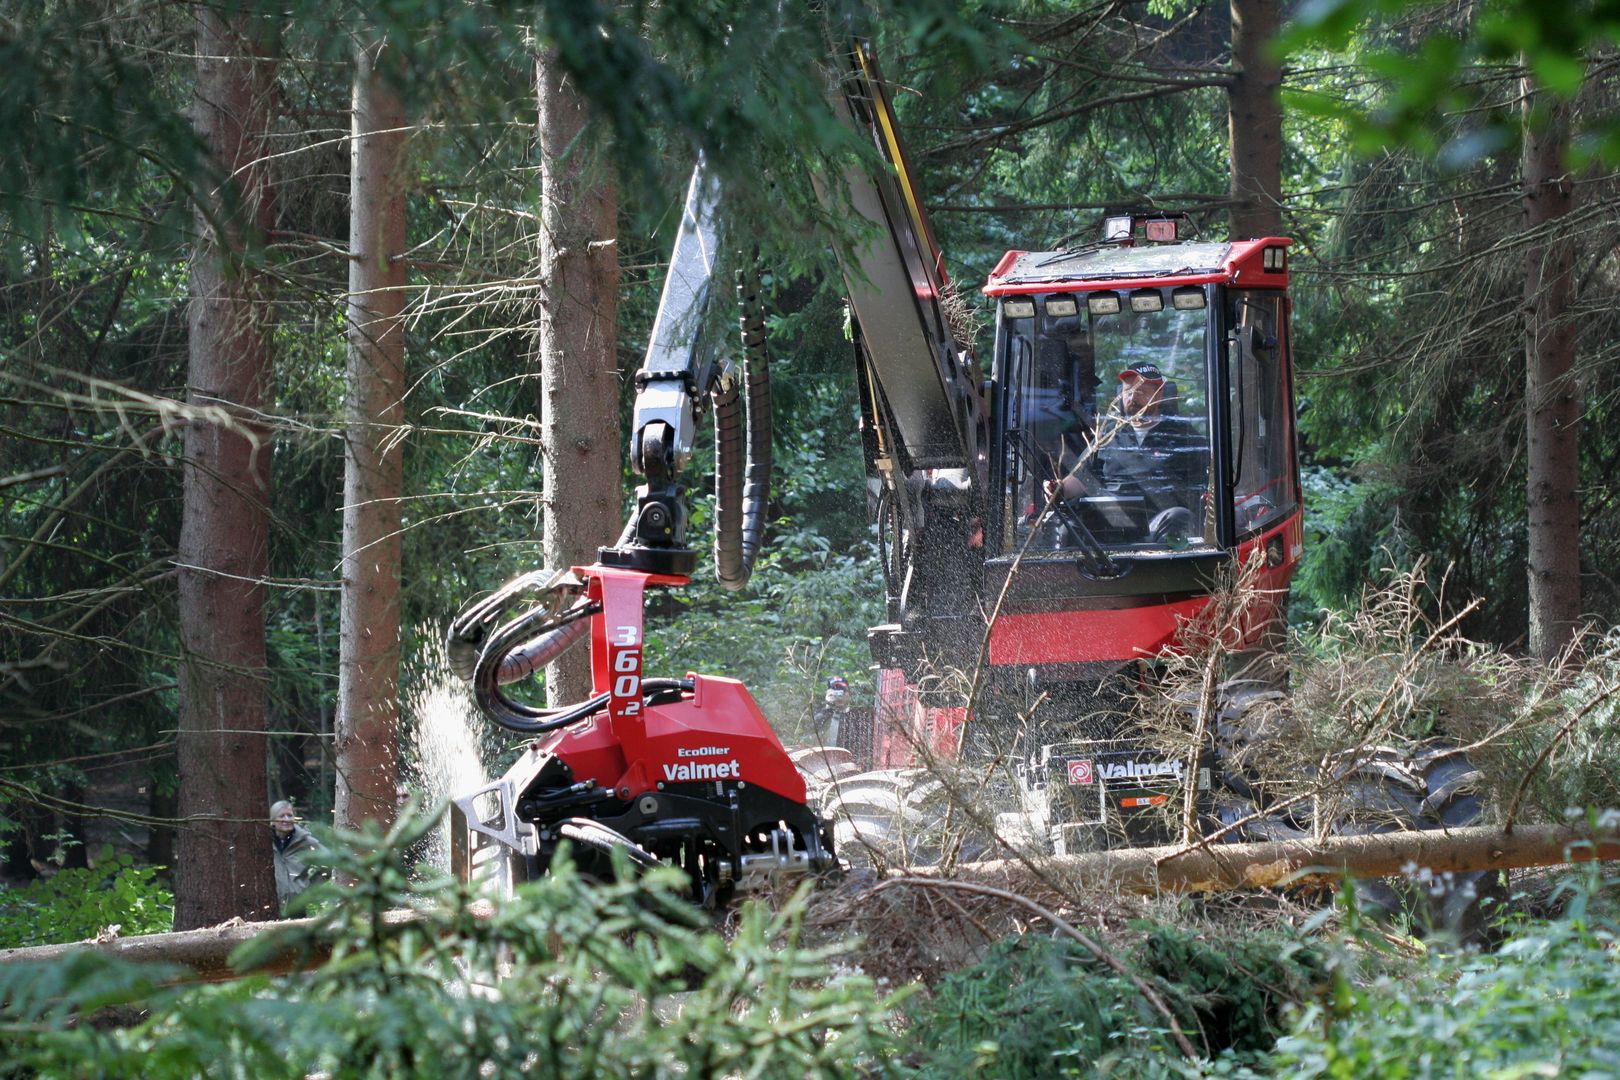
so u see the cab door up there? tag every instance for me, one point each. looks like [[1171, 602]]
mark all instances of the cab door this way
[[1260, 446]]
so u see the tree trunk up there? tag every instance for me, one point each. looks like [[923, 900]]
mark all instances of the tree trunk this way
[[581, 480], [1254, 120], [368, 666], [1225, 867], [1552, 395], [206, 952], [223, 859], [162, 807]]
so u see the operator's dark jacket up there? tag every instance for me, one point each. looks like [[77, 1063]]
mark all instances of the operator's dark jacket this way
[[294, 873], [1166, 461]]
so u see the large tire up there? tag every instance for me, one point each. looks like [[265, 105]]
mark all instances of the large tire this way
[[1390, 789], [899, 817], [1433, 788], [1246, 723]]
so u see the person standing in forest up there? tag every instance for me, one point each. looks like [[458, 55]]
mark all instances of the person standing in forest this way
[[292, 845], [829, 718]]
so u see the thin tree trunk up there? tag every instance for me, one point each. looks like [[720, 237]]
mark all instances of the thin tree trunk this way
[[1552, 395], [582, 486], [206, 953], [1297, 863], [161, 806], [223, 859], [1254, 119], [368, 665]]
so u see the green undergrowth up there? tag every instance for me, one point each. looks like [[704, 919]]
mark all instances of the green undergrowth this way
[[76, 903], [571, 978], [1546, 1003], [1042, 1006], [625, 978]]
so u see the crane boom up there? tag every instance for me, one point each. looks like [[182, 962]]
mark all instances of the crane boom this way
[[924, 377]]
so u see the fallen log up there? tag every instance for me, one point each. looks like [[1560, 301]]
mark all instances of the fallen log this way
[[1217, 868], [1226, 867], [206, 953]]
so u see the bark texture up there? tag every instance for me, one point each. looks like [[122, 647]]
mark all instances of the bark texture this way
[[1552, 395], [1224, 867], [206, 952], [222, 866], [1254, 119], [367, 750], [577, 343]]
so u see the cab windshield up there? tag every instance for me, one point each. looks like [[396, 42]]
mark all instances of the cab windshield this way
[[1108, 424]]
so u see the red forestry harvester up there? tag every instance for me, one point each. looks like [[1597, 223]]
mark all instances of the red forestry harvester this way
[[1134, 437]]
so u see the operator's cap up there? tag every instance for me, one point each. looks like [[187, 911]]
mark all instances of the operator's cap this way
[[838, 682], [1148, 373]]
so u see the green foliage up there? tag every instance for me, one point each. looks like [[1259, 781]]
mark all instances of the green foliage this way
[[1238, 987], [1546, 1004], [744, 81], [43, 999], [88, 110], [75, 904], [1576, 715], [1446, 58], [1045, 1007], [1408, 329], [1353, 532], [590, 978], [1028, 150]]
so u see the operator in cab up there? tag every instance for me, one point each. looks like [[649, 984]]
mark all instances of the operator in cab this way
[[1144, 449], [1142, 444]]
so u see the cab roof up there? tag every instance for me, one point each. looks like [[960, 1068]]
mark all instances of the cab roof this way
[[1089, 268]]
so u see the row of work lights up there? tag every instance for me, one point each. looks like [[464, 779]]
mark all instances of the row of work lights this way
[[1186, 298]]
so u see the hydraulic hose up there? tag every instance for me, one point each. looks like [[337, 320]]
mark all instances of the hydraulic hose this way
[[536, 653], [491, 657], [524, 644], [537, 637], [468, 632], [742, 436], [528, 720]]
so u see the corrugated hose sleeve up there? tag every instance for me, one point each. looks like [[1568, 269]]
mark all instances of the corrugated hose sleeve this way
[[757, 380], [730, 449], [535, 654]]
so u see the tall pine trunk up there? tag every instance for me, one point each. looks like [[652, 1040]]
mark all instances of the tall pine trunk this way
[[1254, 119], [368, 650], [222, 866], [582, 485], [1552, 396]]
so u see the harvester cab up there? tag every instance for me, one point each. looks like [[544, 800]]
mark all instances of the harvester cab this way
[[1144, 436]]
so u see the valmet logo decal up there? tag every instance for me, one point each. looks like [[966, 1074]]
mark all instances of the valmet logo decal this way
[[703, 770], [1142, 770], [1083, 771]]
